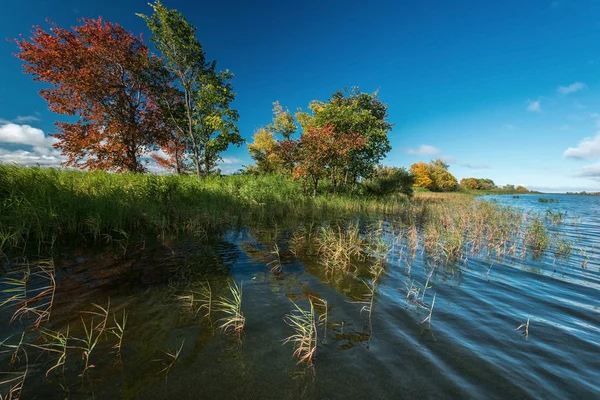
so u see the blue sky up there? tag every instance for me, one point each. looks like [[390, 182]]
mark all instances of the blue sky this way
[[506, 90]]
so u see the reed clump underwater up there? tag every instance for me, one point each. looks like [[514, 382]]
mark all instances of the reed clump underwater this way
[[346, 235]]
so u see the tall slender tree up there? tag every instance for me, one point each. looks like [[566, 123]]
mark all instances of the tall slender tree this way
[[203, 116], [283, 122], [104, 75]]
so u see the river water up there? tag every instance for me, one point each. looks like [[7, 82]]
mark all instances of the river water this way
[[469, 348]]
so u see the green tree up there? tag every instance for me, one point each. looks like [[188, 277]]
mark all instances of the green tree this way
[[486, 184], [352, 112], [283, 122], [469, 183], [201, 112], [262, 150]]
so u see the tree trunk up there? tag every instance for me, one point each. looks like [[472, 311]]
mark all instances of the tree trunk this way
[[188, 110], [206, 164], [197, 160], [132, 162], [316, 184]]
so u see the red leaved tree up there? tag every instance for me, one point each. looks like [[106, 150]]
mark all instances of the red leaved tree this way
[[104, 75], [174, 158], [322, 152], [286, 152]]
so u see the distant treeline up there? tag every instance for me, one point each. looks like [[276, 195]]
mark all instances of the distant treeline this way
[[488, 184], [584, 193], [435, 176]]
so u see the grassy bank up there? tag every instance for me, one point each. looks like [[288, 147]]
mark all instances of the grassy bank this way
[[39, 206]]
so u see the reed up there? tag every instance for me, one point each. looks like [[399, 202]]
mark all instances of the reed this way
[[15, 290], [93, 332], [379, 249], [275, 264], [305, 335], [56, 343], [15, 381], [367, 300], [339, 248], [556, 217], [526, 328], [322, 309], [119, 331], [205, 299], [172, 357], [40, 304], [428, 318], [234, 319], [29, 299], [412, 291], [537, 236]]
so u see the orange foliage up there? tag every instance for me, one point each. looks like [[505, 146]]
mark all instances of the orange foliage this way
[[321, 149], [176, 157], [433, 176], [421, 172]]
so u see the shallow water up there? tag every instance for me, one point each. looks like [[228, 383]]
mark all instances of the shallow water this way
[[471, 348]]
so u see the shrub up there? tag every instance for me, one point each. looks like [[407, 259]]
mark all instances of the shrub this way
[[388, 180]]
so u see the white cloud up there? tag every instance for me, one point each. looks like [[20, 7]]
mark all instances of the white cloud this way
[[475, 166], [25, 118], [230, 160], [572, 88], [424, 150], [510, 127], [564, 127], [41, 151], [590, 171], [228, 170], [23, 157], [24, 134], [588, 147], [534, 106]]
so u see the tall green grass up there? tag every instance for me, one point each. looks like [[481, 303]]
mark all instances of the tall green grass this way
[[39, 206]]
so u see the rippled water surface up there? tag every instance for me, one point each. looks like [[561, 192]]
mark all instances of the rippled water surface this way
[[469, 349]]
